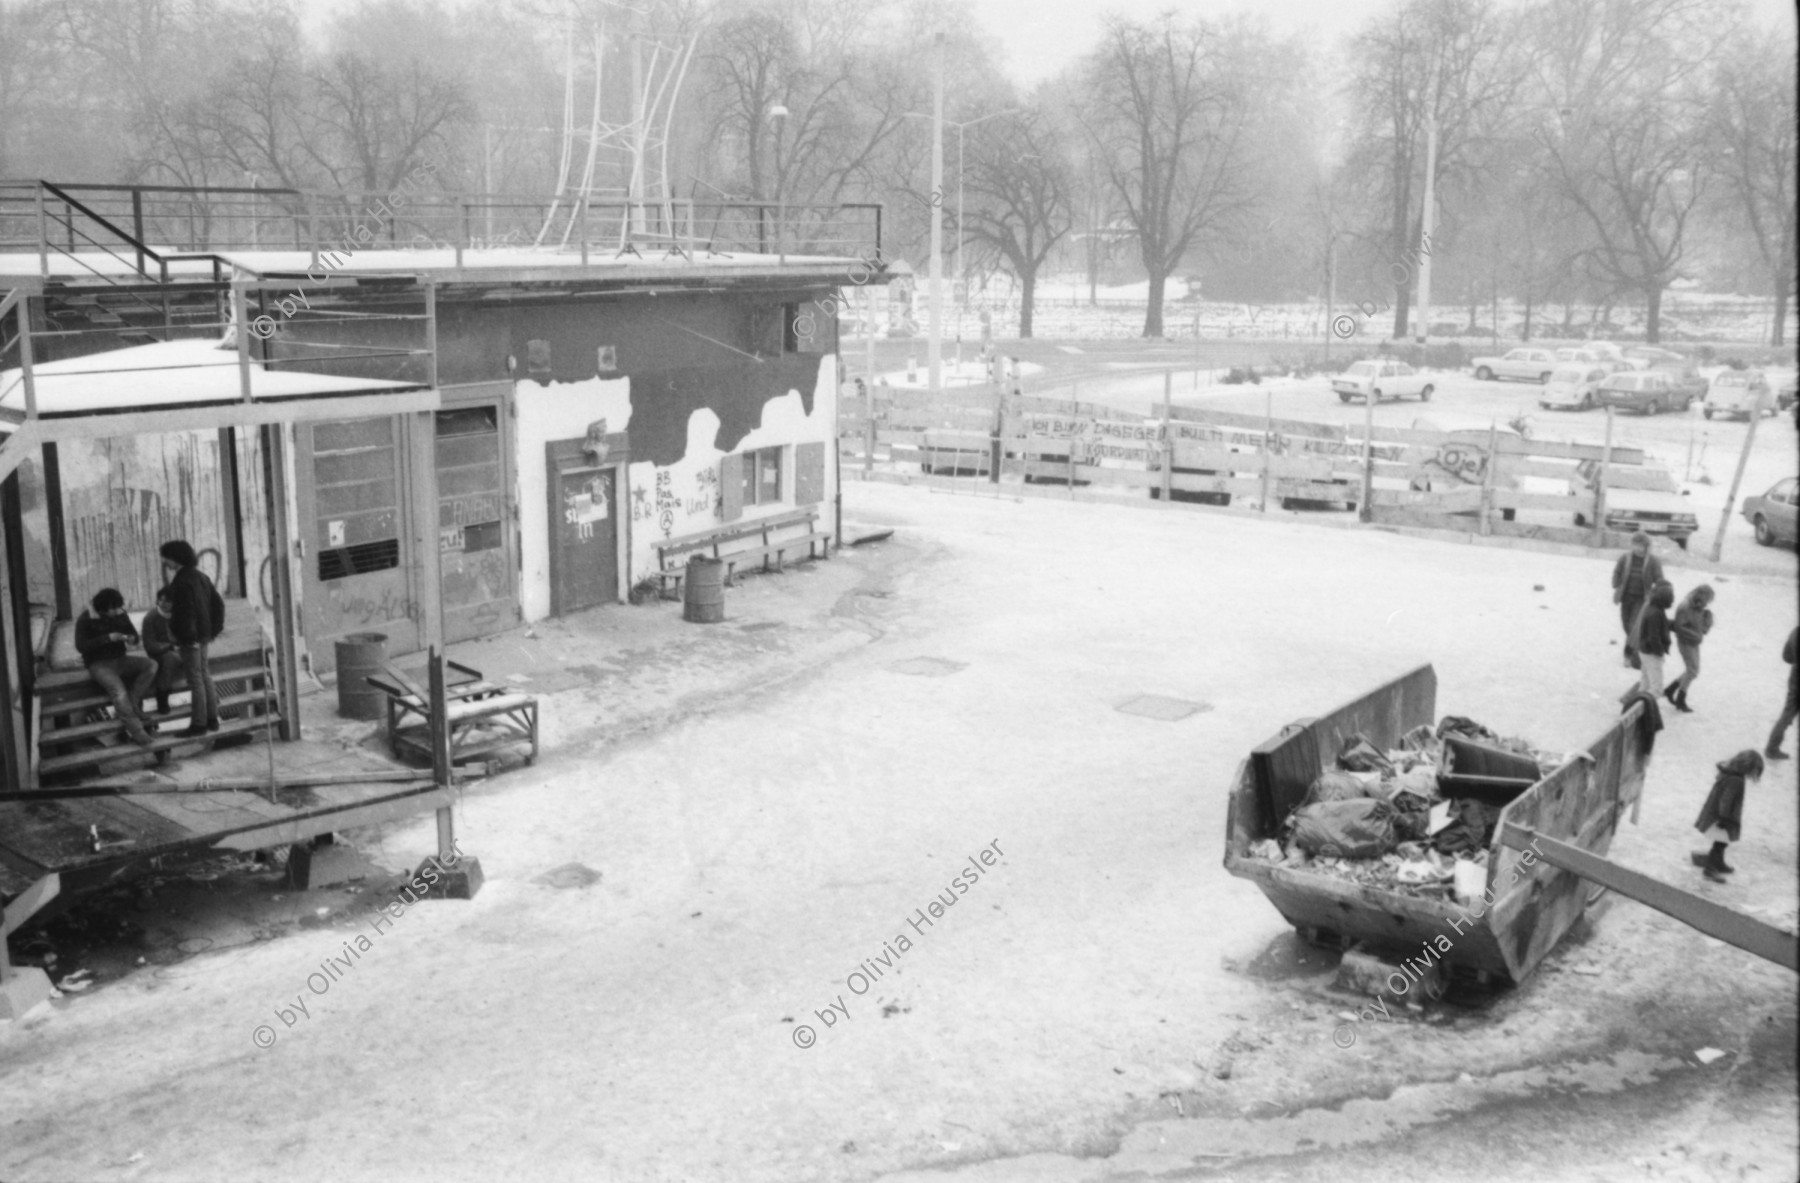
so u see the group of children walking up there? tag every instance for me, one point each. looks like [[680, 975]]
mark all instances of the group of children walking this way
[[1644, 598], [188, 617]]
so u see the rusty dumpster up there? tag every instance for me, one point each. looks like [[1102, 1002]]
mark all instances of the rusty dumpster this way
[[1534, 904]]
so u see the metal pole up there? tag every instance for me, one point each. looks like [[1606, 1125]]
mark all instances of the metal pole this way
[[1487, 477], [934, 347], [1330, 293], [1168, 438], [1268, 442], [1737, 479], [1365, 512], [1600, 485], [1427, 223], [487, 181], [431, 358], [241, 317], [1196, 349], [28, 379]]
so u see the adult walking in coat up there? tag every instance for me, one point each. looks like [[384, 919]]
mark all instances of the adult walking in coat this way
[[1721, 819], [197, 617], [1636, 572], [1693, 620], [1773, 750]]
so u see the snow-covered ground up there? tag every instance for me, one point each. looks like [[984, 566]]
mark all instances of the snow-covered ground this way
[[1103, 986]]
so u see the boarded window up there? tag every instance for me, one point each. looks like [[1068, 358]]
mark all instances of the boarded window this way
[[356, 482], [731, 488]]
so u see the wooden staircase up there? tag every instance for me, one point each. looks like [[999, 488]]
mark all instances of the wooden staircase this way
[[76, 729]]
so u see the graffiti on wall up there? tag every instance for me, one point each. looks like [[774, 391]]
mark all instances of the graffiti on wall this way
[[585, 504]]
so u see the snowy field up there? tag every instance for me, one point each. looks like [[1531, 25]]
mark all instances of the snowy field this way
[[1103, 1003]]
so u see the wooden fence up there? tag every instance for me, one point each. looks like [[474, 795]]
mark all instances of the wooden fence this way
[[1492, 482]]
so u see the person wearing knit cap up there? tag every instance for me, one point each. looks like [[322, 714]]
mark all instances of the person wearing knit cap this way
[[196, 618]]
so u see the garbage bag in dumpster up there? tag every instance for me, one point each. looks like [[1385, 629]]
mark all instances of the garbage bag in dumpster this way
[[1335, 785], [1361, 828]]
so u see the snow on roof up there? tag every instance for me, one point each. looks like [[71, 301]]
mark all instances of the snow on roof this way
[[382, 260], [167, 373]]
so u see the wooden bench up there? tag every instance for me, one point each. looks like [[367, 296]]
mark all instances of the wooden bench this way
[[75, 728], [484, 716], [672, 554]]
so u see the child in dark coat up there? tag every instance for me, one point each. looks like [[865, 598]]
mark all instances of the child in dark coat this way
[[1651, 637], [1693, 620], [1721, 819]]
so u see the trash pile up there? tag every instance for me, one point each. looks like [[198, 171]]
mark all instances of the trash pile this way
[[1406, 819]]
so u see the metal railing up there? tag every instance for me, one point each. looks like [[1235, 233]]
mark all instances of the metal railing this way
[[138, 231]]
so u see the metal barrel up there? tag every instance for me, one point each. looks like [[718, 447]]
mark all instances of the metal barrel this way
[[703, 591], [358, 656]]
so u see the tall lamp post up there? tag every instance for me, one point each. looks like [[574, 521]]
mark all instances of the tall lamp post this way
[[937, 196], [934, 345], [777, 114]]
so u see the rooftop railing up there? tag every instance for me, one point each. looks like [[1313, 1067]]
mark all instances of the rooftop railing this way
[[160, 233]]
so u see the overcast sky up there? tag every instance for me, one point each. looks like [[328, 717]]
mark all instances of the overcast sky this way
[[1043, 36]]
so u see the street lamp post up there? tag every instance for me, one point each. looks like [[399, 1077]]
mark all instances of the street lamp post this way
[[777, 114], [935, 345]]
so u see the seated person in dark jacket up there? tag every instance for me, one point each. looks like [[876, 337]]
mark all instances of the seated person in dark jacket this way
[[159, 646], [105, 636]]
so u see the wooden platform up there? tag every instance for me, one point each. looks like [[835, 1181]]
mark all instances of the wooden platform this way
[[88, 841], [75, 730]]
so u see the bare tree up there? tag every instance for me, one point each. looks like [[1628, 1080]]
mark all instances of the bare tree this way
[[1166, 118], [1625, 131], [845, 92], [1018, 197], [1754, 129], [1448, 59]]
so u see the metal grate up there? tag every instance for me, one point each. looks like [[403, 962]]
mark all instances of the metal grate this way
[[1167, 710]]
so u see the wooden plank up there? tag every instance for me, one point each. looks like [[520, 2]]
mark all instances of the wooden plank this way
[[1567, 535], [1513, 499], [1568, 451], [210, 416], [1389, 515], [1734, 928], [29, 901], [333, 818], [1463, 500]]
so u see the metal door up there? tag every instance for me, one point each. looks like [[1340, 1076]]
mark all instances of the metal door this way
[[584, 538], [474, 536], [357, 557]]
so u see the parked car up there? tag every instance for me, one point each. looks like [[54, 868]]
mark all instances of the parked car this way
[[1590, 357], [1385, 378], [1572, 386], [1642, 357], [1739, 392], [1773, 513], [1685, 377], [1653, 511], [1609, 352], [1524, 365], [1644, 391], [1787, 396]]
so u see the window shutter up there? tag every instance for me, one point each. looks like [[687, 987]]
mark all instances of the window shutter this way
[[809, 473], [731, 487]]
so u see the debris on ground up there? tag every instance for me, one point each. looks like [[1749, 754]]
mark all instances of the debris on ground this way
[[1400, 819]]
